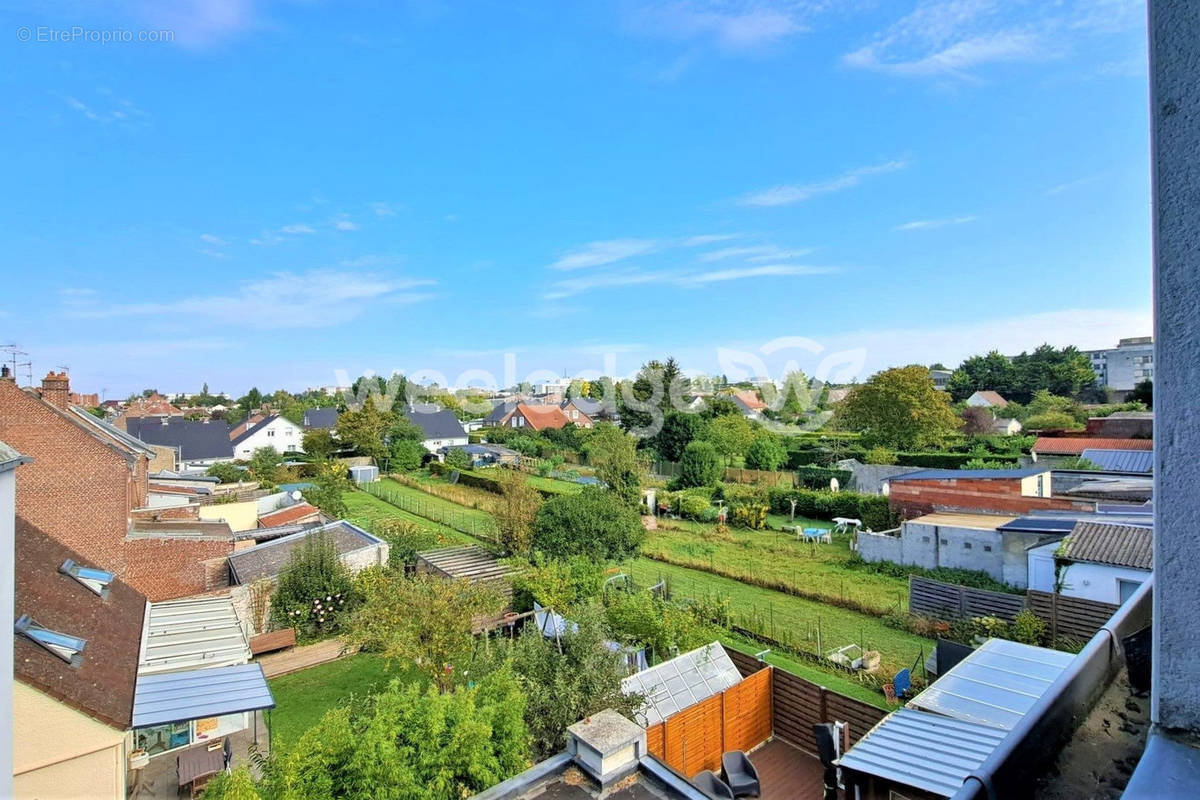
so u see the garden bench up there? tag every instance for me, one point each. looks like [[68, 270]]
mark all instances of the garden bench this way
[[270, 642]]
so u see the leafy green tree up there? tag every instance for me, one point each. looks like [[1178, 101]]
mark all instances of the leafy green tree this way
[[264, 466], [236, 785], [731, 435], [405, 539], [1143, 392], [720, 406], [680, 428], [226, 472], [1062, 372], [613, 454], [645, 619], [330, 485], [588, 523], [992, 371], [558, 583], [700, 465], [425, 620], [408, 743], [365, 430], [766, 453], [457, 458], [898, 408], [251, 400], [406, 455], [319, 443], [516, 511]]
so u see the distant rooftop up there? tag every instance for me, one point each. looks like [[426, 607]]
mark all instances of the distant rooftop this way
[[970, 474]]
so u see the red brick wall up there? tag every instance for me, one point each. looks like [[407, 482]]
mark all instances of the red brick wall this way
[[913, 498]]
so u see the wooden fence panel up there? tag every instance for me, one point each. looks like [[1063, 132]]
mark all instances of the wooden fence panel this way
[[1070, 617], [860, 716], [693, 737], [747, 712], [746, 665], [801, 704], [938, 599], [655, 743]]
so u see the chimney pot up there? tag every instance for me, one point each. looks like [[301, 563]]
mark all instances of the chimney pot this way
[[56, 389]]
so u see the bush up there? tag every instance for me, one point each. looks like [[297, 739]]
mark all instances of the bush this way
[[407, 455], [765, 453], [588, 523], [1051, 420], [933, 460], [405, 539], [873, 510], [458, 458], [813, 477], [1028, 628], [314, 590], [879, 455], [700, 465], [227, 472]]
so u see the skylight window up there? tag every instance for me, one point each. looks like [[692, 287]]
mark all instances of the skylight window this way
[[68, 648], [97, 580]]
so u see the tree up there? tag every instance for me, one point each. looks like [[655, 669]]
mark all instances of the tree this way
[[264, 466], [425, 620], [992, 371], [564, 687], [588, 523], [251, 400], [516, 511], [879, 455], [365, 430], [458, 458], [236, 785], [329, 489], [898, 408], [406, 455], [977, 420], [1051, 420], [613, 454], [700, 465], [319, 443], [226, 472], [405, 539], [1143, 392], [731, 434], [679, 429], [1062, 372], [408, 743], [560, 584], [766, 453], [313, 591], [720, 406]]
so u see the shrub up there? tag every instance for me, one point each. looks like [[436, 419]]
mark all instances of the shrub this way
[[1028, 628], [1051, 420], [873, 510], [879, 455], [314, 589], [692, 506], [226, 472], [700, 465], [458, 458], [408, 455], [405, 539], [753, 516], [588, 523], [765, 453]]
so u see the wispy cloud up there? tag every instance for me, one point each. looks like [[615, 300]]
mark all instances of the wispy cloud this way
[[1069, 185], [597, 254], [686, 279], [297, 229], [381, 209], [314, 299], [732, 26], [107, 108], [342, 222], [926, 224], [788, 194], [200, 23], [758, 252], [952, 38], [743, 273], [209, 238]]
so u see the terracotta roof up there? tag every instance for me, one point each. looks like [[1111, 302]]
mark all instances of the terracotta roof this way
[[750, 398], [153, 406], [1074, 445], [541, 418], [102, 686], [285, 516], [1104, 543], [251, 420], [993, 398]]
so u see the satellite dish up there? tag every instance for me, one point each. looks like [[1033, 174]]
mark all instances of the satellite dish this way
[[296, 495], [833, 484]]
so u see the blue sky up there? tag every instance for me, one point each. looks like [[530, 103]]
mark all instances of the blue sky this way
[[289, 189]]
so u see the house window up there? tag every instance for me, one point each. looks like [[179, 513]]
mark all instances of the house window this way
[[1125, 589], [68, 648], [270, 433], [987, 548], [966, 545]]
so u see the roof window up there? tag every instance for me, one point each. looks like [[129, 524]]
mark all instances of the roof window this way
[[68, 648], [96, 580]]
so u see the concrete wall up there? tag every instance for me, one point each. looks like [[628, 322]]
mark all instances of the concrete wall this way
[[869, 478], [241, 516], [1175, 136], [1098, 581], [62, 753]]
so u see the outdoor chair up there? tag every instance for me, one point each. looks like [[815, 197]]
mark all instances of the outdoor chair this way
[[740, 774], [712, 787], [902, 682]]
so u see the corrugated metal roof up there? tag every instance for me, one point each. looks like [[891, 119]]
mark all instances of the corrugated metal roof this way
[[973, 474], [470, 562], [1105, 543], [183, 634], [995, 685], [681, 682], [925, 751], [1121, 460], [200, 693]]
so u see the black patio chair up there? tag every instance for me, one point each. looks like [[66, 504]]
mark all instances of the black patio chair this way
[[740, 774], [711, 786]]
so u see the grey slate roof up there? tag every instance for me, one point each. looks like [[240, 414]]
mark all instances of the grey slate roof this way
[[246, 434], [592, 408], [1121, 460], [268, 560], [195, 439], [972, 474], [315, 418], [437, 423], [500, 411], [1103, 543]]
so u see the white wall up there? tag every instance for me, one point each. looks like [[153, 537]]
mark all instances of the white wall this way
[[281, 434], [1098, 581], [433, 445]]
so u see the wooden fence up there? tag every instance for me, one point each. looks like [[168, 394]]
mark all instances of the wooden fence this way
[[930, 598], [1070, 617], [798, 704], [737, 719]]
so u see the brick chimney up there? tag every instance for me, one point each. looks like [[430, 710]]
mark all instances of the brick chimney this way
[[56, 389]]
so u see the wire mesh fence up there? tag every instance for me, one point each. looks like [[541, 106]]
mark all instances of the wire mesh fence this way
[[436, 510]]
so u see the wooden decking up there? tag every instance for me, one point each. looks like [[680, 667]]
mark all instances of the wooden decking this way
[[302, 657], [787, 773]]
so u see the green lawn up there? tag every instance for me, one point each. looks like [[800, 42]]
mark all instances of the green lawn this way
[[778, 559], [835, 682], [431, 507], [303, 697], [365, 510], [793, 620]]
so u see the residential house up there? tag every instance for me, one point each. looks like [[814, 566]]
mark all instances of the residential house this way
[[1096, 561], [1005, 427], [537, 418], [500, 412], [78, 632], [749, 403], [583, 411], [88, 487], [986, 398], [356, 548], [90, 400], [440, 427], [320, 418], [10, 460], [1055, 449], [196, 444], [153, 406], [295, 514], [995, 491], [274, 431], [940, 378]]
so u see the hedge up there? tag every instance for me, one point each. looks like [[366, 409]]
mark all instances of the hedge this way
[[872, 509], [478, 481], [814, 477], [933, 460]]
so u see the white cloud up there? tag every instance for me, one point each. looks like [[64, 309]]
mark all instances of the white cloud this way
[[952, 38], [758, 252], [343, 223], [926, 224], [708, 238], [796, 193], [297, 228], [1069, 185], [743, 273], [687, 279], [598, 254], [731, 25], [208, 251], [200, 23], [318, 298], [209, 238], [115, 109], [381, 209]]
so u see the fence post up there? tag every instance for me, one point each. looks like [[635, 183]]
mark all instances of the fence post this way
[[824, 704]]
